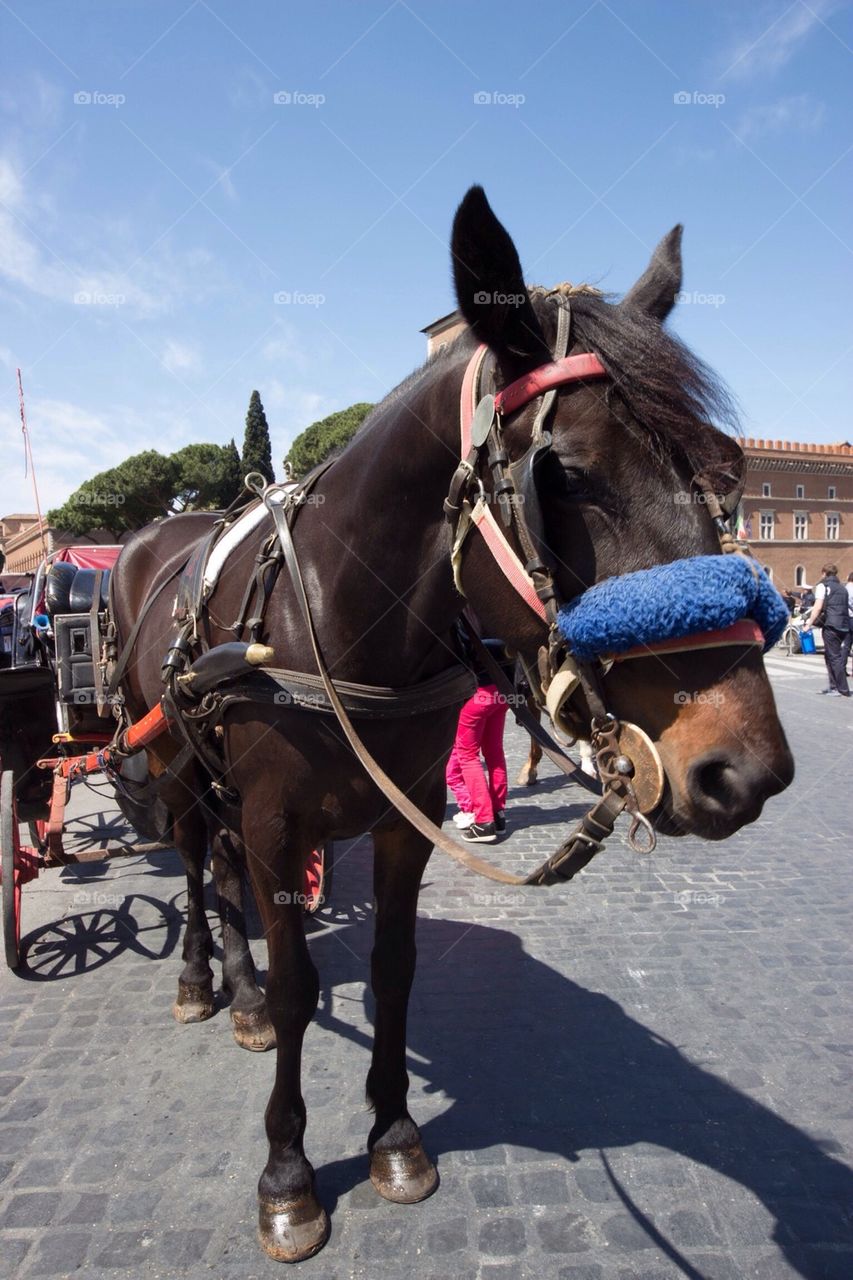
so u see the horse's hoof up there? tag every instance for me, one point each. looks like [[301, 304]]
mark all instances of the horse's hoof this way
[[291, 1230], [405, 1176], [253, 1031], [195, 1002]]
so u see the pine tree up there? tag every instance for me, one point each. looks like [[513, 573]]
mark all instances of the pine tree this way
[[322, 438], [257, 451]]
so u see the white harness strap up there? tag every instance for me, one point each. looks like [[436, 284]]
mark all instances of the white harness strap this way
[[230, 541]]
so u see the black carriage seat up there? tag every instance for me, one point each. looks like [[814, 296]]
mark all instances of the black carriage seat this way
[[69, 589]]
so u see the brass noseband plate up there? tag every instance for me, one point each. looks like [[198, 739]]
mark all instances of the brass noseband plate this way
[[649, 778]]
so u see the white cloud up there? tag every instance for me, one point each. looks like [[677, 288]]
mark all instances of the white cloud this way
[[798, 114], [180, 357], [776, 37]]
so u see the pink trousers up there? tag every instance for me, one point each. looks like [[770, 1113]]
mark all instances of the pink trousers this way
[[480, 729]]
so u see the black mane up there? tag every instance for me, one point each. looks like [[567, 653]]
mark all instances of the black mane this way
[[674, 396]]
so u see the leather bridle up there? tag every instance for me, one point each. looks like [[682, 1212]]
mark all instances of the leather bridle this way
[[469, 506]]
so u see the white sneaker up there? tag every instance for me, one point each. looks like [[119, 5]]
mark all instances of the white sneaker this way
[[463, 820]]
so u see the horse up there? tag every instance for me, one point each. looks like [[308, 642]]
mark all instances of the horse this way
[[616, 492]]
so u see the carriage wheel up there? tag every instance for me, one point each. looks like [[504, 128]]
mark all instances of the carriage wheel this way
[[317, 880], [38, 834], [10, 868]]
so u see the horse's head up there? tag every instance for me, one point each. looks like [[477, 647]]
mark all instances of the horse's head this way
[[617, 493]]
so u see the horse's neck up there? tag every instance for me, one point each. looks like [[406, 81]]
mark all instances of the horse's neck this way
[[377, 547]]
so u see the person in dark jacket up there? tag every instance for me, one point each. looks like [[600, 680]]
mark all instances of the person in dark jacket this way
[[831, 607]]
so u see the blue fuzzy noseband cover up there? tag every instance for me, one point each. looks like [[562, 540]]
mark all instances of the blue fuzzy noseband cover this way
[[682, 598]]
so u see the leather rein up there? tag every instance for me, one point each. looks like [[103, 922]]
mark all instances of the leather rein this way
[[629, 768]]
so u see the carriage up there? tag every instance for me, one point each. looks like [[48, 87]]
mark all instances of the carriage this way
[[57, 726], [49, 713]]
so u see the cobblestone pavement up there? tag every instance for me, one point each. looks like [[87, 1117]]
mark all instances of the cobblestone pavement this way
[[635, 1077]]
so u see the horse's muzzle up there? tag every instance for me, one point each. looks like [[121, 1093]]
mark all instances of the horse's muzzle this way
[[726, 789]]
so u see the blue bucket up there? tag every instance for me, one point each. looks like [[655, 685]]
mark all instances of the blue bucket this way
[[807, 644]]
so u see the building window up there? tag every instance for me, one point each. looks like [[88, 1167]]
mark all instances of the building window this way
[[801, 526], [830, 493], [765, 489], [765, 526], [833, 526], [800, 491], [800, 575]]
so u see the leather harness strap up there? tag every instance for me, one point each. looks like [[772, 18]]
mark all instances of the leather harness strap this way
[[573, 854]]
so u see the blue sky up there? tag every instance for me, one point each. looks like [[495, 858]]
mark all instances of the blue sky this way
[[155, 199]]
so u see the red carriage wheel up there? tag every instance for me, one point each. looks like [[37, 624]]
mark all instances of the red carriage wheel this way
[[10, 869], [317, 880]]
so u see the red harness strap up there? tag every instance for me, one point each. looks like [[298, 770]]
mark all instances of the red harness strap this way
[[555, 374], [744, 632]]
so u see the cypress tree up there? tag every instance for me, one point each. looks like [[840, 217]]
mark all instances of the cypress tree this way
[[234, 473], [257, 451]]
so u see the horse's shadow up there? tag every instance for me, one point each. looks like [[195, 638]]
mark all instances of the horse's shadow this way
[[531, 1058]]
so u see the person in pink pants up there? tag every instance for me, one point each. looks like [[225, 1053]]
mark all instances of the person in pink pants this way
[[480, 730]]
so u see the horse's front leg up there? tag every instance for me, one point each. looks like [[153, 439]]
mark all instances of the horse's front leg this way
[[292, 1223], [249, 1018], [400, 1169]]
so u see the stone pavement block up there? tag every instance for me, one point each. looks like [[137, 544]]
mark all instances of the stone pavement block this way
[[29, 1209], [12, 1255], [502, 1236], [61, 1253]]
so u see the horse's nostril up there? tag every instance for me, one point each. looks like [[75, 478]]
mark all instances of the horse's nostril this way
[[716, 783]]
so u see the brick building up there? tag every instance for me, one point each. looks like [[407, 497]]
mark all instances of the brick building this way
[[23, 546], [798, 508]]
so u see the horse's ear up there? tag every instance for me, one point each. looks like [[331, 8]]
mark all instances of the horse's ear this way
[[490, 288], [657, 288]]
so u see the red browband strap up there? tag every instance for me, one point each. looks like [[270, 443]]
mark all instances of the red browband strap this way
[[555, 374]]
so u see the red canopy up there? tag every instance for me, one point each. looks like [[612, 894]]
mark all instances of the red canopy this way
[[88, 557]]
